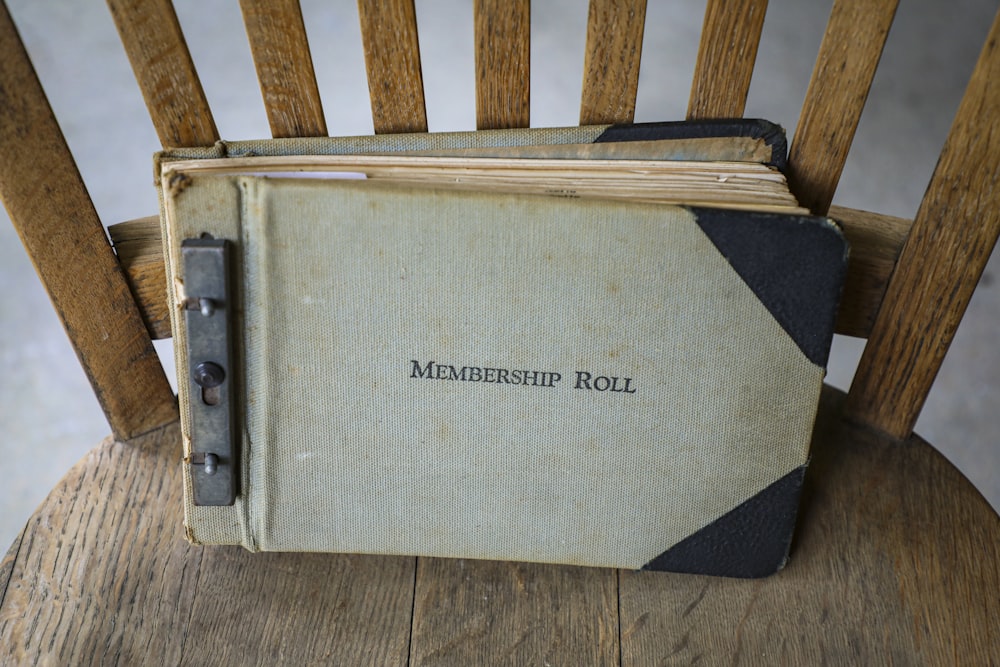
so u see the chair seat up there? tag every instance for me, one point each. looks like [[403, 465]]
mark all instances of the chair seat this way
[[895, 559]]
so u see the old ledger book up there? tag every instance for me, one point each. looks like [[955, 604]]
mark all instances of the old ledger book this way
[[498, 357]]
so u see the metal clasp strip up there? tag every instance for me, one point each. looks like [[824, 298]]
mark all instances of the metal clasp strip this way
[[208, 318]]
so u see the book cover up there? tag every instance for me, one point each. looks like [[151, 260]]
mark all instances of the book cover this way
[[504, 376]]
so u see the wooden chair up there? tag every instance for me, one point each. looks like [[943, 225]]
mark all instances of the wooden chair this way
[[896, 555]]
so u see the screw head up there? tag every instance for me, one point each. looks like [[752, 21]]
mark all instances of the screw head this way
[[207, 307], [211, 464], [207, 375]]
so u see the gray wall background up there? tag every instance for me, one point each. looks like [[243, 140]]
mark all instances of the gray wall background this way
[[49, 417]]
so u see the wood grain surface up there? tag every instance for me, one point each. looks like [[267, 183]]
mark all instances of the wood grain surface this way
[[104, 576], [838, 89], [875, 241], [896, 559], [56, 220], [611, 62], [284, 66], [392, 59], [138, 244], [152, 38], [726, 57], [469, 612], [503, 58], [7, 565], [953, 235]]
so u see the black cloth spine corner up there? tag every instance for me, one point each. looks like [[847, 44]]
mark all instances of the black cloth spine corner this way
[[795, 265], [750, 541], [772, 134]]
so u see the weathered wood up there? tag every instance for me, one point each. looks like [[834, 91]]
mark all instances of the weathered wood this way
[[392, 59], [875, 241], [284, 67], [470, 612], [52, 213], [895, 561], [104, 576], [152, 37], [727, 53], [838, 89], [953, 234], [503, 57], [611, 63], [138, 244], [7, 565]]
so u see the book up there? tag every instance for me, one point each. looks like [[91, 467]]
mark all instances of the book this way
[[720, 140], [412, 363]]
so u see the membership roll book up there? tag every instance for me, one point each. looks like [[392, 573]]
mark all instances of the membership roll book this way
[[436, 347]]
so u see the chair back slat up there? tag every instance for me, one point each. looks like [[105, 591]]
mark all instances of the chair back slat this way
[[392, 59], [284, 66], [955, 229], [56, 220], [152, 38], [726, 56], [503, 57], [611, 63], [838, 89]]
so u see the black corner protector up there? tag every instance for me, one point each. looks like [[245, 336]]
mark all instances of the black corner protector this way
[[772, 134], [748, 542], [794, 264]]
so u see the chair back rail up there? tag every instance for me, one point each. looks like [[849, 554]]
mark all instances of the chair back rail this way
[[949, 244], [726, 57], [953, 234], [392, 59], [875, 239], [139, 247], [611, 61], [155, 46], [284, 65], [52, 212]]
